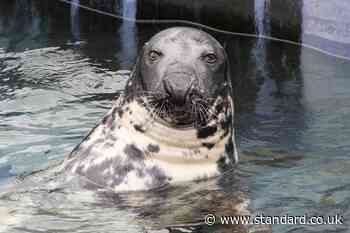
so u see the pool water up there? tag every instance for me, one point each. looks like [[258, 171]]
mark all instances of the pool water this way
[[58, 76]]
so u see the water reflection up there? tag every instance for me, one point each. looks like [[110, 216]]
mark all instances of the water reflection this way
[[127, 34], [235, 15], [292, 126], [75, 24], [286, 19]]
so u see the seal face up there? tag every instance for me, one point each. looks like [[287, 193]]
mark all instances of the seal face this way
[[173, 123], [182, 69]]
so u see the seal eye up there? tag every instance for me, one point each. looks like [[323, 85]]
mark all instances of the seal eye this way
[[210, 58], [154, 55]]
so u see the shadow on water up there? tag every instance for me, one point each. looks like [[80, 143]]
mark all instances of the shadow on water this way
[[60, 66]]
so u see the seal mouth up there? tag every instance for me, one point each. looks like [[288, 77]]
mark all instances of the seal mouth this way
[[197, 111]]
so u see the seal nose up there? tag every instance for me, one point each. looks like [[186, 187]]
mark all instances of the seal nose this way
[[178, 91]]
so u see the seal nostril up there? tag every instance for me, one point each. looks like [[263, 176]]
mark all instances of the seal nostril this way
[[177, 93]]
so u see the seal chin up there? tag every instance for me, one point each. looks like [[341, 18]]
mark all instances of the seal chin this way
[[195, 111], [172, 113], [180, 117]]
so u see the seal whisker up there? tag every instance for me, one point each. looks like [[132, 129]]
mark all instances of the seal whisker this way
[[210, 114], [201, 114], [159, 109], [195, 114], [151, 119], [205, 112], [163, 112]]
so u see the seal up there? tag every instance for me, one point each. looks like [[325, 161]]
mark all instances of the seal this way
[[173, 123]]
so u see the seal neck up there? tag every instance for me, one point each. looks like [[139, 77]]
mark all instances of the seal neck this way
[[159, 130]]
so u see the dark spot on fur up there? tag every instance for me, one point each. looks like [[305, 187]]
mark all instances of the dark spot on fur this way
[[133, 152], [206, 131], [127, 168], [109, 144], [208, 145], [112, 138], [159, 177], [139, 128], [153, 148], [140, 173], [131, 122], [130, 112], [120, 113], [141, 101], [99, 141], [121, 171]]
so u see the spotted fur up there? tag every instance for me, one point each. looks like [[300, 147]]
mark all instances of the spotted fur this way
[[125, 158]]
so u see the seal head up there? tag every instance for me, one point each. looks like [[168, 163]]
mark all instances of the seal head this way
[[183, 70]]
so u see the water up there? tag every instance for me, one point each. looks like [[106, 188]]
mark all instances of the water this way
[[127, 30], [260, 6], [75, 25], [292, 126]]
